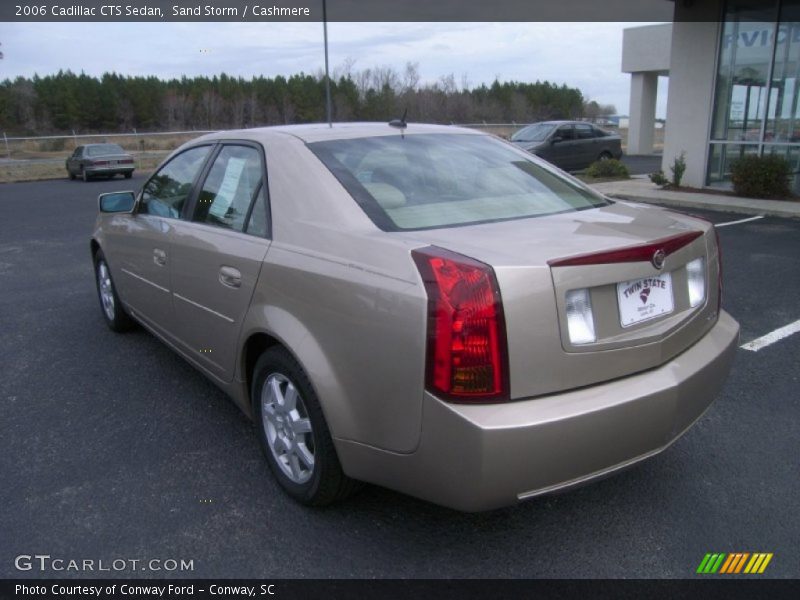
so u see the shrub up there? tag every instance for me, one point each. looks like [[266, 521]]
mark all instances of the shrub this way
[[761, 176], [607, 168], [678, 168], [658, 178]]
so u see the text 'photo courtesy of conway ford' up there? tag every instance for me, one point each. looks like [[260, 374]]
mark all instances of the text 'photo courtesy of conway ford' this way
[[426, 308]]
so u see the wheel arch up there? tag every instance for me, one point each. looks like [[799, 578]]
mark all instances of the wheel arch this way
[[270, 326], [254, 346]]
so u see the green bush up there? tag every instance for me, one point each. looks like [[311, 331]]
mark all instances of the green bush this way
[[607, 168], [678, 168], [658, 178], [761, 176]]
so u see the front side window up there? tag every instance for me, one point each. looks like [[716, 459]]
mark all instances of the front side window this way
[[230, 188], [537, 132], [425, 181], [165, 193]]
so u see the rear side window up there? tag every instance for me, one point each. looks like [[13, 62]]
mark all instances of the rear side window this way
[[230, 188], [165, 193], [566, 132], [257, 223], [425, 181], [584, 132]]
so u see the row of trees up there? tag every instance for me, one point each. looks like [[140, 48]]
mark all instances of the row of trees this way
[[67, 101]]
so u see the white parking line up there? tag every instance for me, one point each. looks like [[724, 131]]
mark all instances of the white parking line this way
[[747, 220], [772, 337]]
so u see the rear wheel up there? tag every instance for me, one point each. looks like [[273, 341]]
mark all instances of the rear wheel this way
[[113, 312], [129, 174], [293, 433]]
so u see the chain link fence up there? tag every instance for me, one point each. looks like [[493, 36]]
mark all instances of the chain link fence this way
[[42, 157]]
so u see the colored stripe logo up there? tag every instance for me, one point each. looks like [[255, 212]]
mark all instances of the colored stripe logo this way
[[734, 563]]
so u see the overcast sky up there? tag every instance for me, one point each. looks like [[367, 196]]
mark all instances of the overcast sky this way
[[582, 55]]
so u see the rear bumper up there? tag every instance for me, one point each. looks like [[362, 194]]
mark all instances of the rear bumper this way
[[482, 457], [110, 170]]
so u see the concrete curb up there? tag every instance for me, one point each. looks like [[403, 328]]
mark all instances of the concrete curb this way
[[744, 209], [637, 191]]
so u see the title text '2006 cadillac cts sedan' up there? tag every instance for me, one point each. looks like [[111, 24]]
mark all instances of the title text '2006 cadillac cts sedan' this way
[[421, 307]]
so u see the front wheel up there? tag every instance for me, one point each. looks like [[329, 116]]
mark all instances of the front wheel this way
[[129, 174], [293, 433], [113, 312]]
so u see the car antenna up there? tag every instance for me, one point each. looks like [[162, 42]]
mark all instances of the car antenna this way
[[400, 123]]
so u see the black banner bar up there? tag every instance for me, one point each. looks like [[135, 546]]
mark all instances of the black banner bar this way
[[338, 10], [385, 589]]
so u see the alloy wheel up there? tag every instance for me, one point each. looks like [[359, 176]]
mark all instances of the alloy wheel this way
[[287, 428], [106, 289]]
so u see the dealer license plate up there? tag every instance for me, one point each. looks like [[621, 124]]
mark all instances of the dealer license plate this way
[[644, 299]]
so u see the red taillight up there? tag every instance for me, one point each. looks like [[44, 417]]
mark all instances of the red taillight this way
[[467, 349], [126, 161], [98, 163]]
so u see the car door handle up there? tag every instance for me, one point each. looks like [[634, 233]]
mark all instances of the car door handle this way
[[159, 257], [230, 277]]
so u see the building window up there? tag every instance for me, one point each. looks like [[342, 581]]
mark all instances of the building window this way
[[757, 97]]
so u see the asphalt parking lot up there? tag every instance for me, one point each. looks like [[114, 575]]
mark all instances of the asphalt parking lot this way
[[114, 447]]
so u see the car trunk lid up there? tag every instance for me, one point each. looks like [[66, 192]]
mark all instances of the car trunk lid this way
[[642, 314]]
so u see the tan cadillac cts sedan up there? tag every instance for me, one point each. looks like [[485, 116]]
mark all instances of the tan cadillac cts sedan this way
[[425, 308]]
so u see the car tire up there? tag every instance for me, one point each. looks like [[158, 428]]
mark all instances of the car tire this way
[[129, 175], [293, 433], [71, 175], [85, 175], [110, 306], [605, 155]]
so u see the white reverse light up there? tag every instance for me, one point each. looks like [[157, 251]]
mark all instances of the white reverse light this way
[[696, 281], [580, 321]]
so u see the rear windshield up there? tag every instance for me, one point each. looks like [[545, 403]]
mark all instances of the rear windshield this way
[[426, 181], [103, 149]]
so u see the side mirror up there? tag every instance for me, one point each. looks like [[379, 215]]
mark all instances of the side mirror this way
[[116, 202]]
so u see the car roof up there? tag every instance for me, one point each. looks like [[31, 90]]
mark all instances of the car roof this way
[[563, 123], [316, 132]]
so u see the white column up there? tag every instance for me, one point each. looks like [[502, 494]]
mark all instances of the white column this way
[[644, 88], [691, 89]]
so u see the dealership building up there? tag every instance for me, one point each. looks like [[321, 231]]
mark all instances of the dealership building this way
[[734, 85]]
